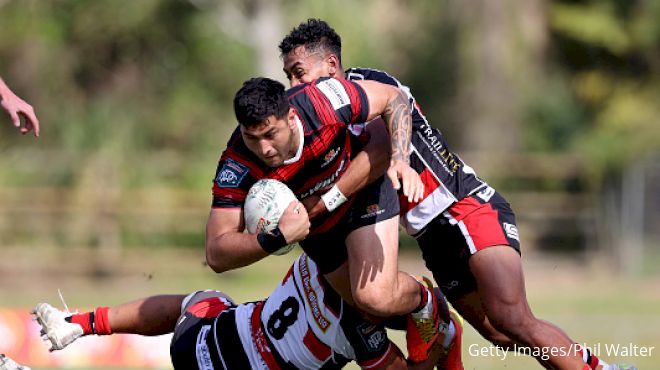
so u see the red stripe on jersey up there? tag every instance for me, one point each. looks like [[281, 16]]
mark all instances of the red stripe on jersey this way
[[354, 96], [430, 184], [288, 275], [260, 340], [319, 349], [370, 364], [208, 308]]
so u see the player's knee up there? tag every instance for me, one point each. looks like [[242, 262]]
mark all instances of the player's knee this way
[[514, 323], [374, 303]]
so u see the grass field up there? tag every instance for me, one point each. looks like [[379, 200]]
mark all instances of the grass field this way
[[591, 303]]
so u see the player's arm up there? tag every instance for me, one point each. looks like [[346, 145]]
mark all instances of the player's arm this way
[[367, 166], [393, 106], [228, 248], [17, 107]]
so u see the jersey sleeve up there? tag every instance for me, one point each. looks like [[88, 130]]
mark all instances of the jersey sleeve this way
[[231, 183], [347, 98]]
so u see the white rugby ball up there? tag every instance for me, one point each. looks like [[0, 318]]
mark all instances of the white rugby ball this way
[[264, 205]]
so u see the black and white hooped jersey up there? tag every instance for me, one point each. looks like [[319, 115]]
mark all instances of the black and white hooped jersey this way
[[304, 324], [446, 177]]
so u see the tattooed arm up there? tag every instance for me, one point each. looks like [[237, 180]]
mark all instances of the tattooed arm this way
[[392, 105]]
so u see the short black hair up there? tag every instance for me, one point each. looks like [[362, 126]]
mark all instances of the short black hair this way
[[258, 99], [315, 34]]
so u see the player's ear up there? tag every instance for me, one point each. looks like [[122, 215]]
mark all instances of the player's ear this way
[[291, 118], [333, 64]]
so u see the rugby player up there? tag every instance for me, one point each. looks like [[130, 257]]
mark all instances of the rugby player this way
[[301, 137], [465, 229], [303, 324]]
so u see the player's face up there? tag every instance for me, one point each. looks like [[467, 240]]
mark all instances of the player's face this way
[[302, 66], [274, 140]]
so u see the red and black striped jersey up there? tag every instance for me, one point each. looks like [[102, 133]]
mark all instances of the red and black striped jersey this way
[[446, 177], [324, 109]]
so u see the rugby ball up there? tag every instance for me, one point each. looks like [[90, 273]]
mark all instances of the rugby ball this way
[[264, 205]]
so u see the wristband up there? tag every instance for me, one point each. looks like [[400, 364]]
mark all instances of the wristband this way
[[272, 241], [333, 198]]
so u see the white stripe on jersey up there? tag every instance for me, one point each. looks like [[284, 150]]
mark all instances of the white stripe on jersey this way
[[430, 207]]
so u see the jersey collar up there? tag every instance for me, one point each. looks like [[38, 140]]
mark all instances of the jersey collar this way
[[301, 142]]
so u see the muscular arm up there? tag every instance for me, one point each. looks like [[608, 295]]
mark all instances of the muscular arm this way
[[392, 105], [227, 247]]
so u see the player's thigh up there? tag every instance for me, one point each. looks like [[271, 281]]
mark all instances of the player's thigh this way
[[499, 275], [373, 236], [372, 254]]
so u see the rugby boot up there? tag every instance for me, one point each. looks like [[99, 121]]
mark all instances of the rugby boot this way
[[55, 327], [422, 327], [7, 363]]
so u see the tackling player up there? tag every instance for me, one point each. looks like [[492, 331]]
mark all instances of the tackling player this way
[[303, 324], [465, 229]]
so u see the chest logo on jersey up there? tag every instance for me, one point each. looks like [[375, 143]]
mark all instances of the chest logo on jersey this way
[[332, 154], [231, 174], [373, 337], [335, 92]]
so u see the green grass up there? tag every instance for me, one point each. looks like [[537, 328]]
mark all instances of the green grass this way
[[591, 303]]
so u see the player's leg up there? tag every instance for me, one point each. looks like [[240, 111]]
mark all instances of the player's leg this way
[[488, 225], [378, 287], [154, 315]]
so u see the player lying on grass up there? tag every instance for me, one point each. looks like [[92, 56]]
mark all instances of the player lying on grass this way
[[303, 324]]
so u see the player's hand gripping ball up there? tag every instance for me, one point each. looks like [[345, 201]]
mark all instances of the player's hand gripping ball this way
[[264, 205]]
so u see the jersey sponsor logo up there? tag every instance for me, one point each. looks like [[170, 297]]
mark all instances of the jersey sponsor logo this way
[[511, 230], [434, 144], [311, 296], [372, 211], [231, 174], [486, 193], [335, 92], [373, 338], [202, 349], [332, 154], [324, 183]]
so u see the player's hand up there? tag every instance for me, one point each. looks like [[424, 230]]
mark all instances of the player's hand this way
[[314, 206], [17, 107], [294, 223], [413, 187]]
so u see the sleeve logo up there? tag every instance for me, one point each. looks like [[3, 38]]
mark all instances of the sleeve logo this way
[[231, 174], [373, 337], [335, 92]]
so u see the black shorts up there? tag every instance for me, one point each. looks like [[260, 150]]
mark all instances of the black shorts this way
[[195, 344], [375, 203], [474, 223]]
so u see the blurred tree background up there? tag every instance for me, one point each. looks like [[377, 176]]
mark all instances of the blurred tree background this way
[[553, 102]]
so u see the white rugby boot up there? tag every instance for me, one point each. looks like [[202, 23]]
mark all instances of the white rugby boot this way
[[55, 327], [7, 363]]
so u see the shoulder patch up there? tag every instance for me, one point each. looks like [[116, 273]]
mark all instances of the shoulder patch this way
[[373, 336], [335, 92], [231, 174]]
